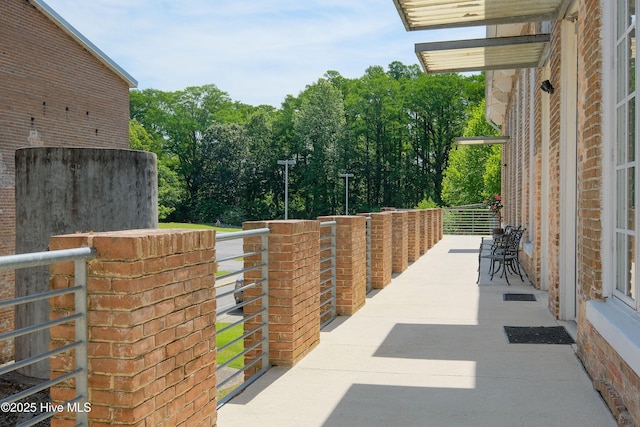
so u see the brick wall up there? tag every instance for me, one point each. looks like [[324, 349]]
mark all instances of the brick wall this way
[[610, 372], [294, 286], [55, 93], [151, 334], [380, 249], [423, 220], [351, 262], [413, 236], [400, 241], [621, 389]]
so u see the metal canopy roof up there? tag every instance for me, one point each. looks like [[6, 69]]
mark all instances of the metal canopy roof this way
[[435, 14], [483, 54], [482, 140]]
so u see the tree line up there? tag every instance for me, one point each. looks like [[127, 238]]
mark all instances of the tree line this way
[[392, 129]]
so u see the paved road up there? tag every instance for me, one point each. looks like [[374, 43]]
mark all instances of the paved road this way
[[226, 249]]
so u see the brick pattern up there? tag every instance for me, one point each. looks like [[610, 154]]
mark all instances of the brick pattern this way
[[604, 365], [380, 249], [294, 285], [413, 236], [54, 93], [423, 231], [151, 316], [400, 241], [351, 262], [619, 384]]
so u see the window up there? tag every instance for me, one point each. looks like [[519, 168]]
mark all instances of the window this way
[[625, 155]]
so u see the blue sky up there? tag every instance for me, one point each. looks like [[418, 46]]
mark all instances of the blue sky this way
[[258, 51]]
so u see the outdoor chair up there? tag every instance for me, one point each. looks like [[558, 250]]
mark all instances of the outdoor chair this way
[[503, 254]]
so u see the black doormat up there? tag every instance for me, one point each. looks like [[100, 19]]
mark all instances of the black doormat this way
[[538, 335], [518, 297]]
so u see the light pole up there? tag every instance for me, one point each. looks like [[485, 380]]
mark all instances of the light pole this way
[[346, 177], [286, 164]]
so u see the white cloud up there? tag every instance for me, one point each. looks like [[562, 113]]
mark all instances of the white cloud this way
[[257, 51]]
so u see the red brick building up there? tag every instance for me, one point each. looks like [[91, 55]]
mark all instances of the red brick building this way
[[561, 84], [58, 89]]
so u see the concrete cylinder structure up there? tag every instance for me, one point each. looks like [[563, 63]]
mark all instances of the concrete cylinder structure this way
[[67, 190]]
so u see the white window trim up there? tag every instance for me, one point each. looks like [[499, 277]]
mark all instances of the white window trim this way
[[616, 322]]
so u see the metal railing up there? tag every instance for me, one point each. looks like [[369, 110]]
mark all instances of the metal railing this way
[[79, 257], [232, 323], [468, 221], [327, 272]]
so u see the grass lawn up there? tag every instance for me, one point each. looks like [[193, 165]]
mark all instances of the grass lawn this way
[[195, 226], [233, 350]]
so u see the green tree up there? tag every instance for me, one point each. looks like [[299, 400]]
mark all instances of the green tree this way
[[473, 173], [169, 186], [181, 119], [319, 126]]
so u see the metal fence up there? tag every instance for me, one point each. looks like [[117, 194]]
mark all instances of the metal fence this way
[[230, 324], [19, 402], [327, 272], [465, 220]]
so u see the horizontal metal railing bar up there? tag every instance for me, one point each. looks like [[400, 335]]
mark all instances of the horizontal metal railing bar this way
[[242, 320], [237, 306], [253, 362], [39, 326], [42, 386], [326, 291], [221, 237], [244, 385], [326, 322], [238, 272], [247, 286], [326, 270], [37, 297], [33, 359], [241, 255], [39, 259], [243, 336], [328, 223], [46, 415]]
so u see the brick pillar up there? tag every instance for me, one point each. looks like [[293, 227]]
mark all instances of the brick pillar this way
[[431, 226], [423, 221], [380, 249], [399, 241], [413, 241], [440, 224], [151, 327], [351, 262], [294, 289]]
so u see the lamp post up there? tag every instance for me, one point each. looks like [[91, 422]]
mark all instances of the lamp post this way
[[286, 164], [346, 177]]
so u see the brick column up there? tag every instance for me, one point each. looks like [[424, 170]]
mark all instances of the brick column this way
[[399, 241], [424, 241], [380, 249], [413, 242], [440, 227], [431, 226], [294, 289], [351, 262], [151, 327]]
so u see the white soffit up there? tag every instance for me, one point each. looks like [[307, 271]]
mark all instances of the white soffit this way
[[437, 14], [482, 54]]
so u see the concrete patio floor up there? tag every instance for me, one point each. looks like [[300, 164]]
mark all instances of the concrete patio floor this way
[[429, 350]]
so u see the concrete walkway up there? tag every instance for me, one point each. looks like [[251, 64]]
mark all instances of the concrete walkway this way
[[429, 350]]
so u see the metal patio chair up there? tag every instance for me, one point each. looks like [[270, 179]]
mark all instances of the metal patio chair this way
[[503, 254]]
